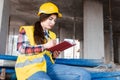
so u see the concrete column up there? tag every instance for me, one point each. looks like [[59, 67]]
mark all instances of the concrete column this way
[[1, 10], [93, 29], [107, 47], [4, 23], [119, 49]]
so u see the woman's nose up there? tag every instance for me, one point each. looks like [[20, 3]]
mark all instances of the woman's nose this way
[[53, 22]]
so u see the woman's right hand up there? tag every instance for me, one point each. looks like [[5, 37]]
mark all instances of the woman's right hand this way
[[49, 44]]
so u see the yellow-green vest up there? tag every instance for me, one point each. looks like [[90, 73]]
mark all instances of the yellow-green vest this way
[[28, 65]]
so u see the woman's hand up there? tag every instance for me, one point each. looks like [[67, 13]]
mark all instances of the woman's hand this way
[[55, 54], [49, 44]]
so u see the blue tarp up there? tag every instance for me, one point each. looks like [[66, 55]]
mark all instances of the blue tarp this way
[[112, 75], [8, 70], [80, 62], [8, 57]]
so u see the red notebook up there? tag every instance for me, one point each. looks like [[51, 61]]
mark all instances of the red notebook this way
[[61, 46]]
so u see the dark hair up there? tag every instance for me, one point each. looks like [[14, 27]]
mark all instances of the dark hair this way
[[39, 37]]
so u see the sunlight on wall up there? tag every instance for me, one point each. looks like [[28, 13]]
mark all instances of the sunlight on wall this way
[[73, 52]]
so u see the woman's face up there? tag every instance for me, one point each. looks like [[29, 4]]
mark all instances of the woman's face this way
[[49, 22]]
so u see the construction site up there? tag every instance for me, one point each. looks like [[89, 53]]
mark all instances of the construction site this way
[[94, 25]]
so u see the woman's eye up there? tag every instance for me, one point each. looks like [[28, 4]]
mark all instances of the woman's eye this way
[[50, 18]]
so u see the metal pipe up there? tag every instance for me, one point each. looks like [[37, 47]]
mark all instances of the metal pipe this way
[[111, 33]]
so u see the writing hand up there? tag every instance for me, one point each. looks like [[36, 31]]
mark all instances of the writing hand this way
[[50, 43], [55, 54]]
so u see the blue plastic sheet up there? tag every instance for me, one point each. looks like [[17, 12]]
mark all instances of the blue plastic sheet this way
[[8, 57], [108, 78], [111, 75], [8, 70], [80, 62]]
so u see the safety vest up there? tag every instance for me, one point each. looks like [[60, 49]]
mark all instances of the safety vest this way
[[27, 65]]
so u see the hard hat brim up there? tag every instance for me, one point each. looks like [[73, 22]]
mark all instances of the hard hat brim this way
[[59, 14]]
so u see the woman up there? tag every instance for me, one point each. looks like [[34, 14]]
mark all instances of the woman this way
[[37, 63]]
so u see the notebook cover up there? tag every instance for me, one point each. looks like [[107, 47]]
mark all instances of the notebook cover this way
[[61, 46]]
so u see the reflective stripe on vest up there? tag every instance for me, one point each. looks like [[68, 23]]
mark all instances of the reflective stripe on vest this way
[[28, 65], [28, 62]]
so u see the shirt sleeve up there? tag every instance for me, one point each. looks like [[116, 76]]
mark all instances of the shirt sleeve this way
[[24, 47]]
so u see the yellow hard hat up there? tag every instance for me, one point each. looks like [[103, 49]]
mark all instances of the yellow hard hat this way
[[49, 8]]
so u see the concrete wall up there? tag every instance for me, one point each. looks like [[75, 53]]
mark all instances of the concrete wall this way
[[93, 29], [4, 24]]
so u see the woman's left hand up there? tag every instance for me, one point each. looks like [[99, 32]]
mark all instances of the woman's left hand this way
[[55, 54]]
